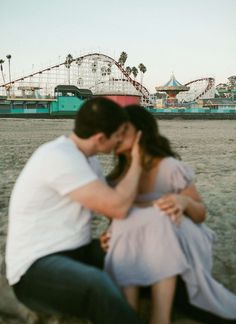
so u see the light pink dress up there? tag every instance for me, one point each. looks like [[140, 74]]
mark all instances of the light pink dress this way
[[146, 247]]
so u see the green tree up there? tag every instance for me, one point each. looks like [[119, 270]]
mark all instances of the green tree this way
[[9, 66], [1, 63], [134, 71], [142, 69], [69, 60], [122, 59], [128, 70]]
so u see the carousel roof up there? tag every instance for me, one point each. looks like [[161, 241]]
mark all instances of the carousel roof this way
[[172, 84]]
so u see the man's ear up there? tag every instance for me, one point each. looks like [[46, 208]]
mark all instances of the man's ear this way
[[100, 138]]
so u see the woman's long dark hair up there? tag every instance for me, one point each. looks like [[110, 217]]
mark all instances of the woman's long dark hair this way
[[152, 143]]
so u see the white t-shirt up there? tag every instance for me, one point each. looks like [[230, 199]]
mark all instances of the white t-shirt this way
[[42, 217]]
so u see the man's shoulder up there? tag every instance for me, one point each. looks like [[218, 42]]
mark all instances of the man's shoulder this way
[[61, 147], [58, 152], [62, 152], [55, 144]]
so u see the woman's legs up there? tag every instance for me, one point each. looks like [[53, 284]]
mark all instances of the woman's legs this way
[[162, 299], [131, 294]]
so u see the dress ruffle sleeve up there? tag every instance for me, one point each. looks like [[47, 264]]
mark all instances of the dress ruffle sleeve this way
[[182, 176]]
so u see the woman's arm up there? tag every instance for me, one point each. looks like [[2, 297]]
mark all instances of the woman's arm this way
[[195, 207], [188, 201]]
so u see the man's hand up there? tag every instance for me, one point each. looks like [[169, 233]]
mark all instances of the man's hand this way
[[104, 241], [173, 205]]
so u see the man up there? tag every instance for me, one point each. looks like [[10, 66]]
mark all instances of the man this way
[[51, 260]]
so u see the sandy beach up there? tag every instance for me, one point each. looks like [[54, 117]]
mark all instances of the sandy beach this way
[[209, 146]]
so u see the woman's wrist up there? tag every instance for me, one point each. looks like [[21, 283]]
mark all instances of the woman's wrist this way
[[185, 201]]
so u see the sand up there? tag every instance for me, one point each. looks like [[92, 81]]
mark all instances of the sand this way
[[209, 146]]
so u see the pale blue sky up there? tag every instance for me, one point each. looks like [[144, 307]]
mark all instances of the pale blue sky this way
[[193, 38]]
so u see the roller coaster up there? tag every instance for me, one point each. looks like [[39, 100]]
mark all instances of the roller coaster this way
[[203, 88], [99, 73]]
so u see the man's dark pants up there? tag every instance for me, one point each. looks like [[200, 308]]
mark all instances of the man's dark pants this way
[[71, 283]]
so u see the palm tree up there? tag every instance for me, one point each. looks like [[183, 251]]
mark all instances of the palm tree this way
[[9, 66], [134, 71], [69, 60], [128, 70], [122, 58], [142, 69], [1, 63]]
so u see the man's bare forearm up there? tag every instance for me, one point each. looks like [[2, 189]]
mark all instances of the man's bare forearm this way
[[127, 187]]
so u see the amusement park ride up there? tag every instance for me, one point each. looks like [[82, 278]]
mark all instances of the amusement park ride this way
[[60, 89]]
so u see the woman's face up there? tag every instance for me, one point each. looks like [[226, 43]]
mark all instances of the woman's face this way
[[126, 145]]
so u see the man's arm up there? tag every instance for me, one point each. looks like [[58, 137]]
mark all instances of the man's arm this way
[[112, 202]]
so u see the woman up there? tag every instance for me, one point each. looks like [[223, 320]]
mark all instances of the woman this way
[[149, 248]]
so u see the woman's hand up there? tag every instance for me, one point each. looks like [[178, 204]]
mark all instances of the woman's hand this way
[[173, 205], [135, 151], [104, 241]]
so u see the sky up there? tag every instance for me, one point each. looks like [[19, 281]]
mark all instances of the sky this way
[[191, 38]]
